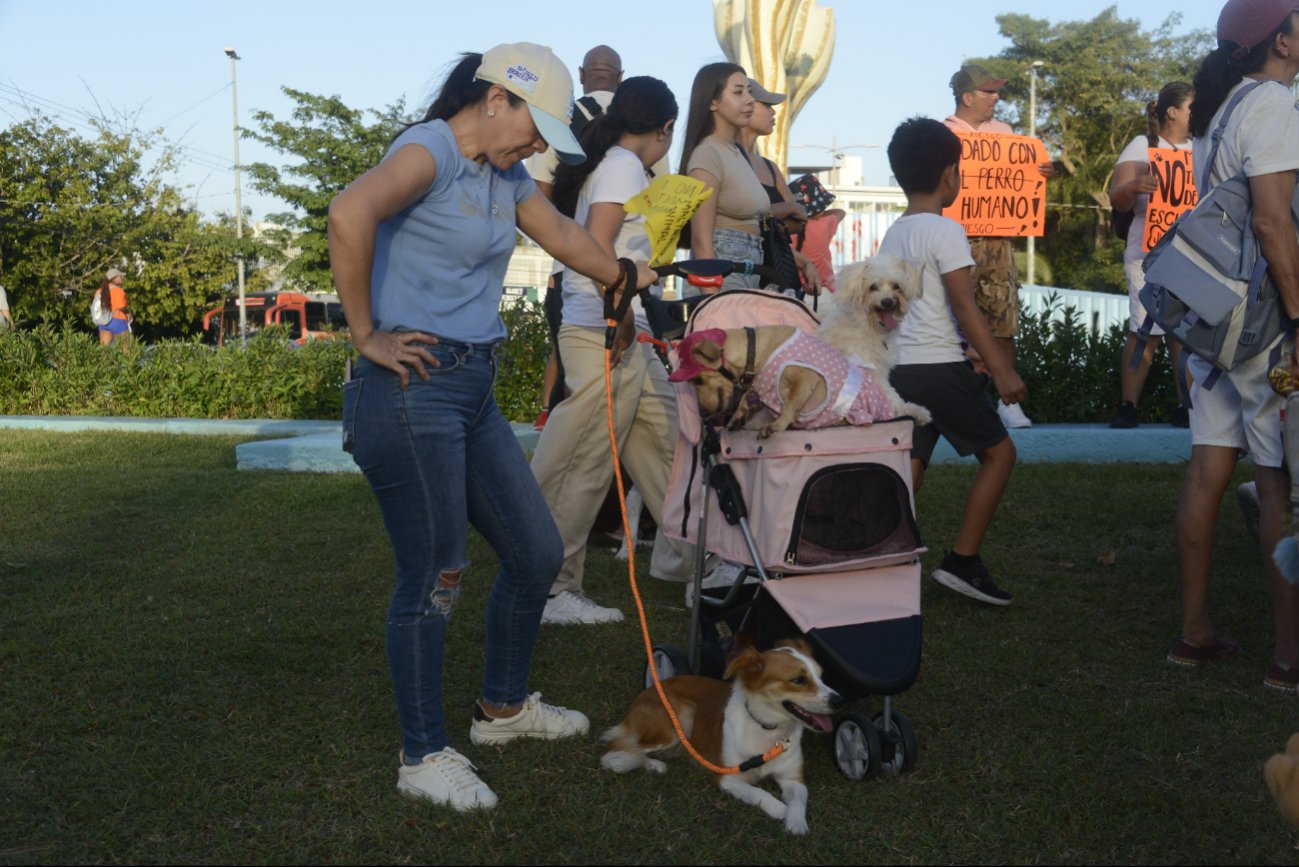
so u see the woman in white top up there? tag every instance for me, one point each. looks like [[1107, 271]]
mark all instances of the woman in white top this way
[[726, 224], [1169, 117], [1257, 42], [573, 463]]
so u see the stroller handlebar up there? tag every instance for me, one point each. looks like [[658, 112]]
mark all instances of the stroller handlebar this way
[[711, 272]]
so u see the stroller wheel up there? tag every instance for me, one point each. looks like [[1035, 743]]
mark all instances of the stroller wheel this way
[[857, 747], [670, 661], [899, 742]]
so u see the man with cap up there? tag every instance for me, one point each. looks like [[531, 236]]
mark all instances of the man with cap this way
[[113, 296], [995, 277]]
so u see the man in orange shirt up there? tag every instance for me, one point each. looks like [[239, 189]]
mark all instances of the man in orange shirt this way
[[995, 276]]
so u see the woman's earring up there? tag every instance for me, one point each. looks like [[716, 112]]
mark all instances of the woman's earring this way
[[491, 112]]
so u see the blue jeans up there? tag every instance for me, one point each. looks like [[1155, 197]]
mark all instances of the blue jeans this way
[[440, 457], [738, 246]]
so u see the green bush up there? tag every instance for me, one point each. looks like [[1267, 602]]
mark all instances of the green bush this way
[[1071, 373], [49, 372]]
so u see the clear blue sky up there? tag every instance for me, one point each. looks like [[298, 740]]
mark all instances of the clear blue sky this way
[[163, 62]]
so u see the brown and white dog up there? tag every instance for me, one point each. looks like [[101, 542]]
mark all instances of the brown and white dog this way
[[773, 697], [867, 310], [810, 384]]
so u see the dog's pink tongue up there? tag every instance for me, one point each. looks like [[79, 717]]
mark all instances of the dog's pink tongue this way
[[888, 321], [822, 723]]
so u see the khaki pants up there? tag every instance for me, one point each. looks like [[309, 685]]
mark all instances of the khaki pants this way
[[573, 464]]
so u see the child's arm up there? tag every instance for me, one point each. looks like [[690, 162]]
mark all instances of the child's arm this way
[[960, 295]]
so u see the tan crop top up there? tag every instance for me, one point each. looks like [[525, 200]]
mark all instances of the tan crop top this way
[[741, 198]]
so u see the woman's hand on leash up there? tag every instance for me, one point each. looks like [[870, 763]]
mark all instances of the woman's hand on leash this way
[[399, 352], [645, 275]]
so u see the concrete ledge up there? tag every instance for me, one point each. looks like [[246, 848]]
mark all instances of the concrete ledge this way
[[189, 426], [316, 446]]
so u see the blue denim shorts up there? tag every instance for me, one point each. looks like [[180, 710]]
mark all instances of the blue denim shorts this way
[[738, 246]]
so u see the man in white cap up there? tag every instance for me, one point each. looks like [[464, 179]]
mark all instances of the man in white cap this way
[[995, 276]]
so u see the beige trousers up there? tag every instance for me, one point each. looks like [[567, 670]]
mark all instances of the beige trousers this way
[[573, 463]]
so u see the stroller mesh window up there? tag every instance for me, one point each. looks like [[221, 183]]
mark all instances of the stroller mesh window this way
[[852, 512]]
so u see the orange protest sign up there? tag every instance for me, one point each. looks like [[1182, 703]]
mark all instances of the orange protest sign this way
[[1175, 195], [1003, 192]]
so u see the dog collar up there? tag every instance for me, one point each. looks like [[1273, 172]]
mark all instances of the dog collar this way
[[770, 728]]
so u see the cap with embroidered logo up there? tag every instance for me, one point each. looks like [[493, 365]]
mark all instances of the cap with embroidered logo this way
[[534, 74]]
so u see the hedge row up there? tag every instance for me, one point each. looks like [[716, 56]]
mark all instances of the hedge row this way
[[1072, 374]]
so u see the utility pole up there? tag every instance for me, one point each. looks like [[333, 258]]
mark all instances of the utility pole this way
[[239, 208]]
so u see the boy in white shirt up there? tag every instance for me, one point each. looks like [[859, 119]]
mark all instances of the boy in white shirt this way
[[933, 369]]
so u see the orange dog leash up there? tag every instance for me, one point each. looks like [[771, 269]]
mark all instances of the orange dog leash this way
[[756, 761]]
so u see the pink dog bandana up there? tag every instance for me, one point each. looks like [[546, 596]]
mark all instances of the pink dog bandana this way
[[687, 367]]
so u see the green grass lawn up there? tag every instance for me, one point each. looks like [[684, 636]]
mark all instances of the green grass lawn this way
[[192, 670]]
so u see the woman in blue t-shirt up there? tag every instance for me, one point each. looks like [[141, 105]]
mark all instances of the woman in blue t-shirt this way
[[419, 246]]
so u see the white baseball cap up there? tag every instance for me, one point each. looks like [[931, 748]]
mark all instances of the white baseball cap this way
[[533, 73]]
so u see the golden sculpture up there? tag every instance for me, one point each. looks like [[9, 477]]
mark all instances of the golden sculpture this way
[[786, 46]]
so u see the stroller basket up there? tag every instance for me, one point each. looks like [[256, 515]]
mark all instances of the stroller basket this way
[[820, 500]]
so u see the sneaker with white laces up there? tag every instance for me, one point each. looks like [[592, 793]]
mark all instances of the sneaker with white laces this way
[[445, 777], [572, 606], [1012, 416], [536, 720]]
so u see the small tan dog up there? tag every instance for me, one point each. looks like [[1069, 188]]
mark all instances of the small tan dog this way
[[804, 382], [774, 696], [1281, 772], [868, 308]]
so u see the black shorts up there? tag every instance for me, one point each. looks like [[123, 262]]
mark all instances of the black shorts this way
[[955, 396]]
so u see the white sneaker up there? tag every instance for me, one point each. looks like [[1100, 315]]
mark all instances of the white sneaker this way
[[572, 606], [1247, 497], [536, 720], [1012, 416], [722, 575], [445, 777]]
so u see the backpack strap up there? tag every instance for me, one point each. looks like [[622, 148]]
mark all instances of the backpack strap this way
[[590, 107], [1184, 379], [1216, 138]]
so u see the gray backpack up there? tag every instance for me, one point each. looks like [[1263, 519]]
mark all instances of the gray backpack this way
[[1207, 284]]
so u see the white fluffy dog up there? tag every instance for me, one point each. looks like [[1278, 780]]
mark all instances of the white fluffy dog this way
[[871, 300]]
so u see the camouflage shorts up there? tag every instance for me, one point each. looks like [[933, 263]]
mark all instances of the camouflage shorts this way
[[996, 284]]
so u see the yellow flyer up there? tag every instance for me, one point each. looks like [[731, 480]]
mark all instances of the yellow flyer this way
[[667, 205]]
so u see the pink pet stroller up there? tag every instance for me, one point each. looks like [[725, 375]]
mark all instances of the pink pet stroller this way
[[823, 523]]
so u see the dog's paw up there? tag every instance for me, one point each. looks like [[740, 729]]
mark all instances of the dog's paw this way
[[622, 553], [796, 824], [916, 411], [656, 766]]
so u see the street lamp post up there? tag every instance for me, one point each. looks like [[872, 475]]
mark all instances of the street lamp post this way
[[836, 155], [239, 209], [1032, 132]]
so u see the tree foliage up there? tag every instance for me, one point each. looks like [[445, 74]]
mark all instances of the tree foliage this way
[[1092, 90], [332, 145], [71, 207]]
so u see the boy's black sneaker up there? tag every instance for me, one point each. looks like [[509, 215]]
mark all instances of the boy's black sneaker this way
[[972, 579], [1125, 416], [1181, 416]]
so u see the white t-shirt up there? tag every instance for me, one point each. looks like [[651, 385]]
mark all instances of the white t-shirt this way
[[1138, 151], [929, 333], [619, 177]]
